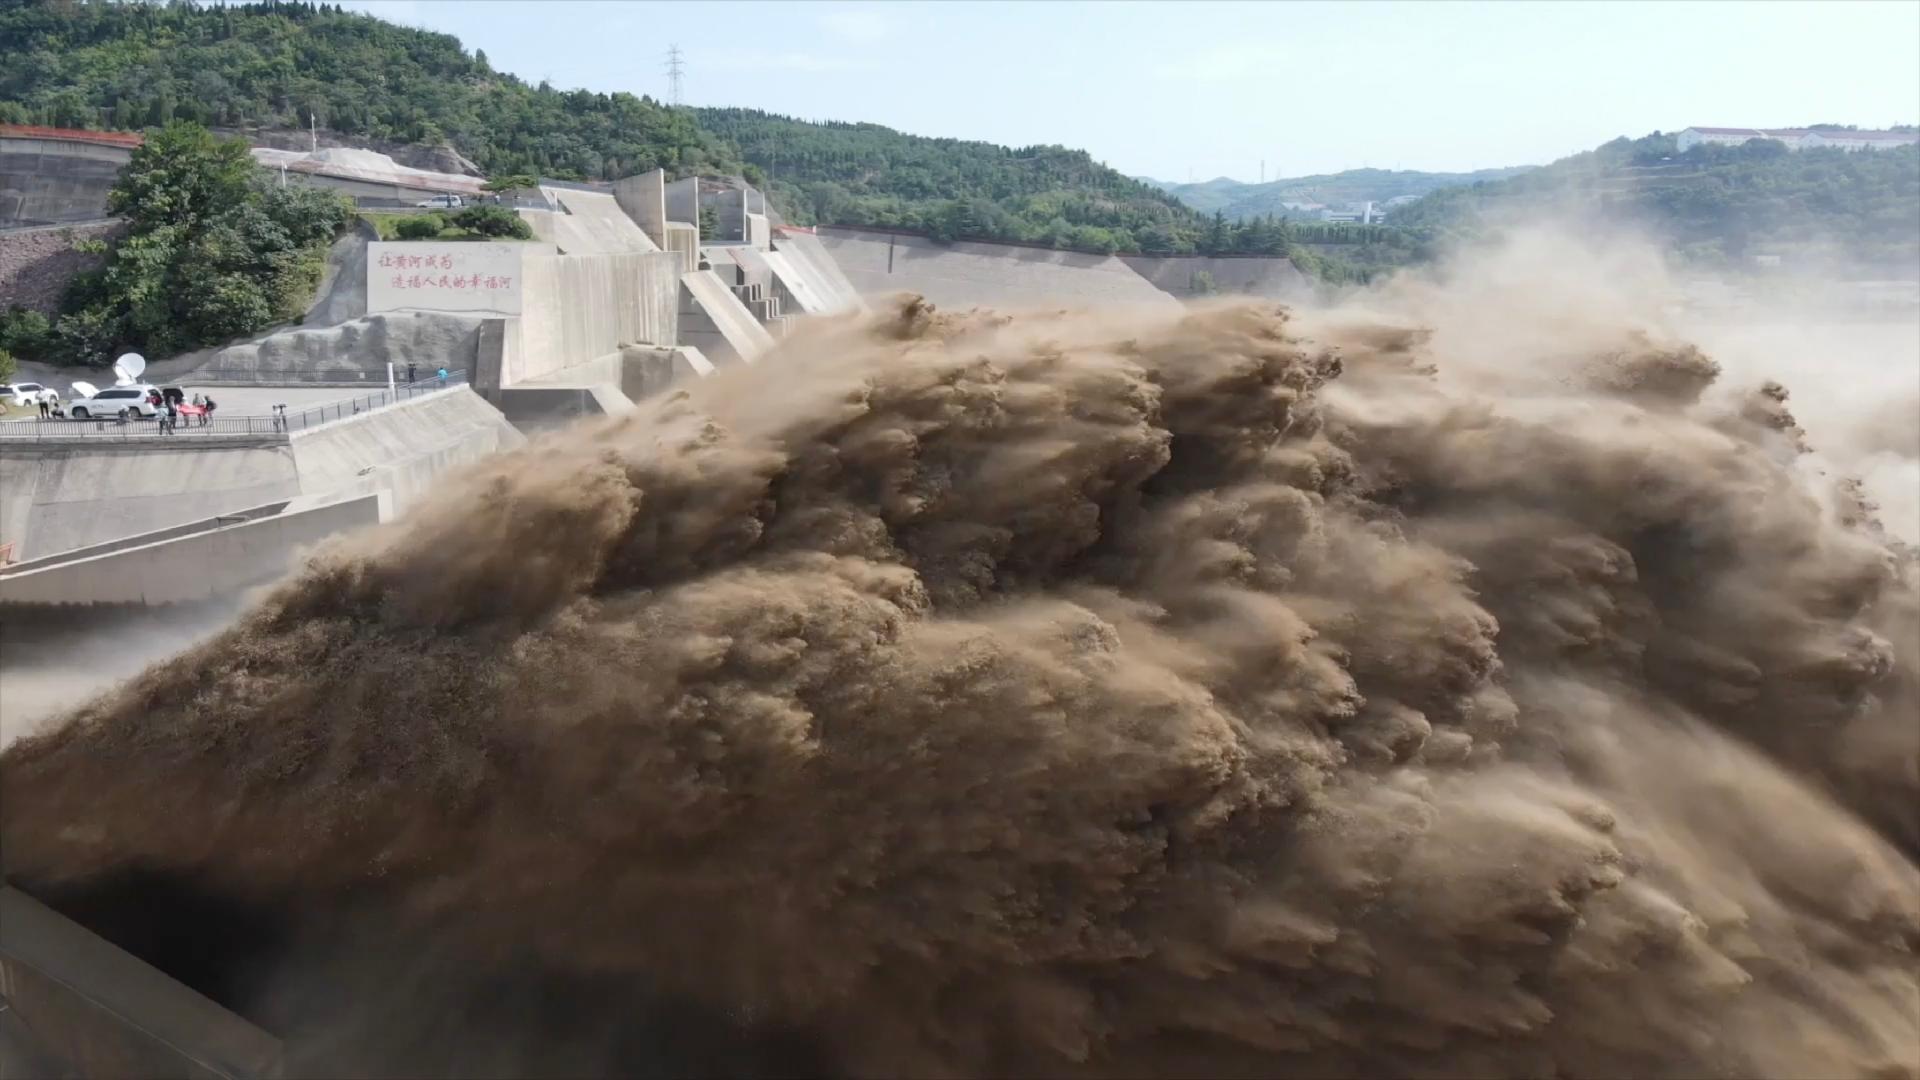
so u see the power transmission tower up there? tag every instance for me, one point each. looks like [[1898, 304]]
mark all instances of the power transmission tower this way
[[676, 69]]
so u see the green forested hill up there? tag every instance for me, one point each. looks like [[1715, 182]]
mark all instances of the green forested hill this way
[[868, 174], [67, 63], [1716, 206], [89, 63], [71, 63]]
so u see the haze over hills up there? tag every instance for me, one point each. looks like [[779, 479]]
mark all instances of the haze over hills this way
[[1240, 200], [1714, 206], [264, 66]]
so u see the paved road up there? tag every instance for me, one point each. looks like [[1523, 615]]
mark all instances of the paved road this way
[[250, 400], [260, 400]]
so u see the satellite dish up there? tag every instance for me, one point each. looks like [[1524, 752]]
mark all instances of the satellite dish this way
[[128, 368], [80, 391]]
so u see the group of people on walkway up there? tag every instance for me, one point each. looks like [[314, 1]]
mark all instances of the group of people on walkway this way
[[169, 407]]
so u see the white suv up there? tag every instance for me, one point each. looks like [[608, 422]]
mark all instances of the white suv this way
[[130, 401], [26, 395], [443, 202]]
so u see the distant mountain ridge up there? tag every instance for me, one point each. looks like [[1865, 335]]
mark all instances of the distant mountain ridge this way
[[1240, 200]]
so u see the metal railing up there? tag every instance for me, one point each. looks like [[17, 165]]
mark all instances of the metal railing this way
[[279, 422], [246, 376]]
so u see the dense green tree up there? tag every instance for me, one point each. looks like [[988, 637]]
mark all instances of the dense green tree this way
[[180, 176], [423, 227], [494, 221], [26, 333], [210, 252], [89, 336]]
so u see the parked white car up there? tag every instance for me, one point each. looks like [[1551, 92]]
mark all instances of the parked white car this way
[[26, 395], [443, 202], [131, 401]]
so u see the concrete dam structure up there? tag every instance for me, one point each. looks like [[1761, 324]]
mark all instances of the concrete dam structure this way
[[61, 494], [617, 298], [967, 273]]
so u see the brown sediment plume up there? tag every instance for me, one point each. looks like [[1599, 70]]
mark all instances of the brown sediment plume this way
[[1221, 695]]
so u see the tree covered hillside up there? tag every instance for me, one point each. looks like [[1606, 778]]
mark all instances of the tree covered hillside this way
[[1718, 206], [85, 63], [867, 174], [128, 65]]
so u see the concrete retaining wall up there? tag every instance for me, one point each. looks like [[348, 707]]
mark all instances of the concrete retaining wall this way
[[77, 1005], [576, 308], [56, 497], [587, 224], [402, 449], [683, 200], [799, 293], [94, 550], [1181, 276], [648, 370], [713, 320], [48, 181], [966, 274], [644, 198], [809, 257], [216, 559], [635, 372], [684, 240]]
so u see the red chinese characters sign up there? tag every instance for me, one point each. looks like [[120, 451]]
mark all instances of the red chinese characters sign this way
[[444, 277]]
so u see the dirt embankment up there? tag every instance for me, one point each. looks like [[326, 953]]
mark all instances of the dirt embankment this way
[[37, 264]]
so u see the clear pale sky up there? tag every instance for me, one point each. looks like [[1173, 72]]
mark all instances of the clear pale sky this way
[[1210, 89]]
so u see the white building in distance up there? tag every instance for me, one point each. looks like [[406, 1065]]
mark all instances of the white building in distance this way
[[1797, 138]]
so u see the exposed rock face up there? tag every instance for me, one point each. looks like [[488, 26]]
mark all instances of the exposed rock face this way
[[37, 264], [359, 349]]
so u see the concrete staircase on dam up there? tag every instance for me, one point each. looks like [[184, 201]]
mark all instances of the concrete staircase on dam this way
[[59, 495]]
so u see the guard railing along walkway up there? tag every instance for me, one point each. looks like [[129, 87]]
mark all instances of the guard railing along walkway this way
[[278, 423]]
